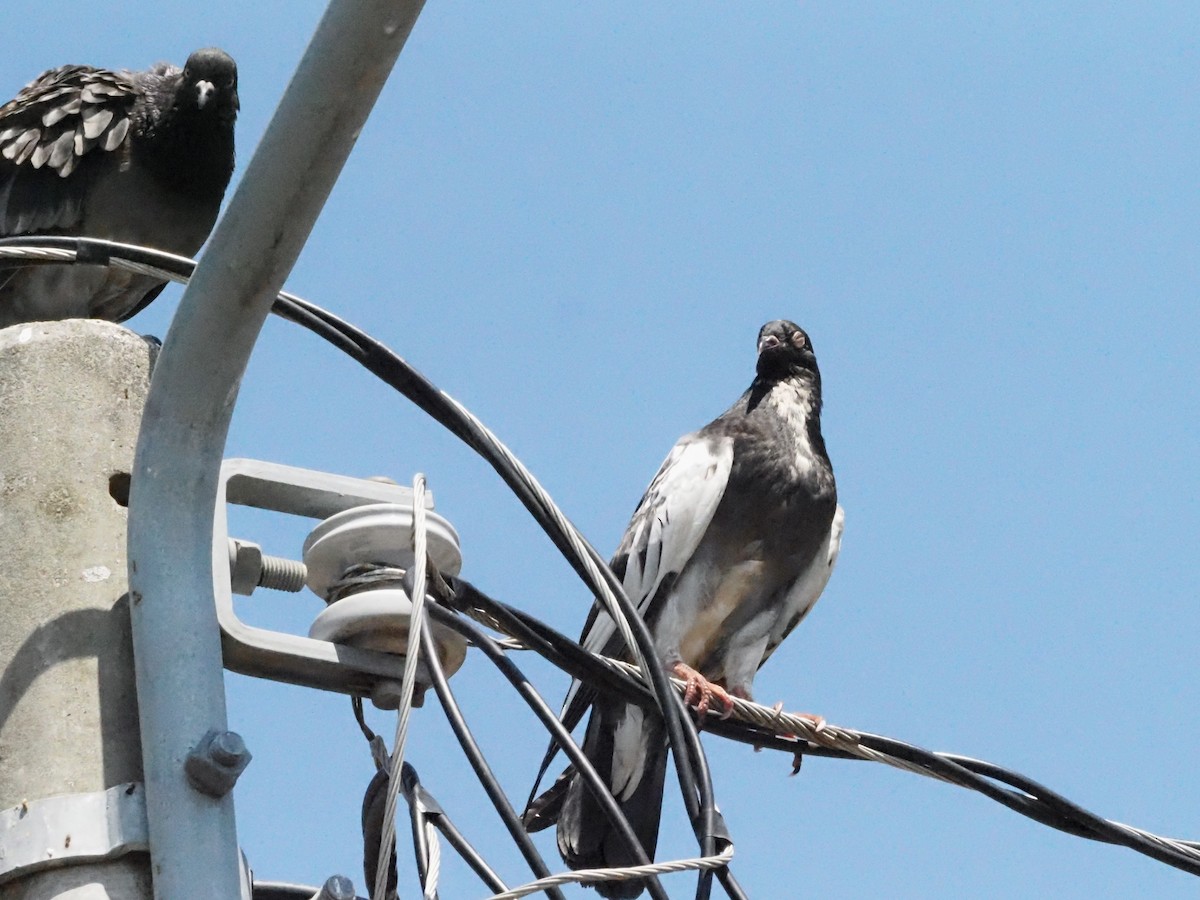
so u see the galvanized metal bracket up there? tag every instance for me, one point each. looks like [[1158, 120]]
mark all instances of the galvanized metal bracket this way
[[71, 829], [293, 658]]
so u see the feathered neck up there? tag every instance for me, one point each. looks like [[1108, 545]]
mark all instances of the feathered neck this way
[[803, 381], [189, 152]]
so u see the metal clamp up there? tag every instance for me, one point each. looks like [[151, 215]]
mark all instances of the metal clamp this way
[[72, 828], [328, 665]]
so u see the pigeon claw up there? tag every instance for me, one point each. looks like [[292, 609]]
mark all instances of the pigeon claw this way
[[818, 721], [818, 727], [700, 693]]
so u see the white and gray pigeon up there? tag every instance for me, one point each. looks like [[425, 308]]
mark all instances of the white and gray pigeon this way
[[729, 548], [135, 157]]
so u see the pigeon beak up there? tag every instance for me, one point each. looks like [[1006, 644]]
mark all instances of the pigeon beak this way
[[768, 342], [204, 93]]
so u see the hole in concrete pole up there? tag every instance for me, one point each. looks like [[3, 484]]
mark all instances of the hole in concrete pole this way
[[118, 488]]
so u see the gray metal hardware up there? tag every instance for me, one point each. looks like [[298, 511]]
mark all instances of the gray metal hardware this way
[[308, 661], [214, 765], [250, 568], [72, 828], [336, 887]]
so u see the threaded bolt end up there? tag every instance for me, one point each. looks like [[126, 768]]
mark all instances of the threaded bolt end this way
[[282, 574]]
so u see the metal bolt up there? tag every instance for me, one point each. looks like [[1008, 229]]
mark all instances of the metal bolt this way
[[336, 887], [228, 749], [281, 574], [245, 566], [249, 568], [386, 694], [215, 763]]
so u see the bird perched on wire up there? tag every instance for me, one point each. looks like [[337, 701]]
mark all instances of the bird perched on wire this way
[[727, 551], [135, 157]]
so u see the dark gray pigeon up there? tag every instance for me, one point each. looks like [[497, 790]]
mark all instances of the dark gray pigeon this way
[[136, 157], [729, 548]]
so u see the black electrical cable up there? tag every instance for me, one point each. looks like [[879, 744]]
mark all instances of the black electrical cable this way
[[706, 805], [517, 678], [697, 791], [715, 825], [469, 854], [283, 890], [732, 888], [1030, 798], [482, 770], [397, 373], [568, 655], [394, 371], [414, 791], [1105, 831], [583, 767], [1056, 816], [560, 650]]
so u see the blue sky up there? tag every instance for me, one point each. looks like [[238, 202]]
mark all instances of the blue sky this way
[[575, 217]]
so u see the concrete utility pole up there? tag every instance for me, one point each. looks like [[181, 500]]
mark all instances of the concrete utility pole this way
[[72, 809]]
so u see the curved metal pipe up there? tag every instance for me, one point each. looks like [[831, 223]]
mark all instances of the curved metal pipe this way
[[177, 651]]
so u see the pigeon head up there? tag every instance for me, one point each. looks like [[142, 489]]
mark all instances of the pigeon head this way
[[187, 140], [784, 349], [210, 81]]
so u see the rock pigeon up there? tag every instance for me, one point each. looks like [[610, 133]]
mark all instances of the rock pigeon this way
[[727, 551], [136, 157]]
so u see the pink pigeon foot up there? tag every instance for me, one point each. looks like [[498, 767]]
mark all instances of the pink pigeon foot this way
[[699, 693]]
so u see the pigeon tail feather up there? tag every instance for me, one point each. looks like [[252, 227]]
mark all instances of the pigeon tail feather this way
[[586, 837]]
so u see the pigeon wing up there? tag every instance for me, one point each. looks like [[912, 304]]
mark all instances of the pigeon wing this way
[[668, 524], [52, 136], [806, 589], [663, 533]]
